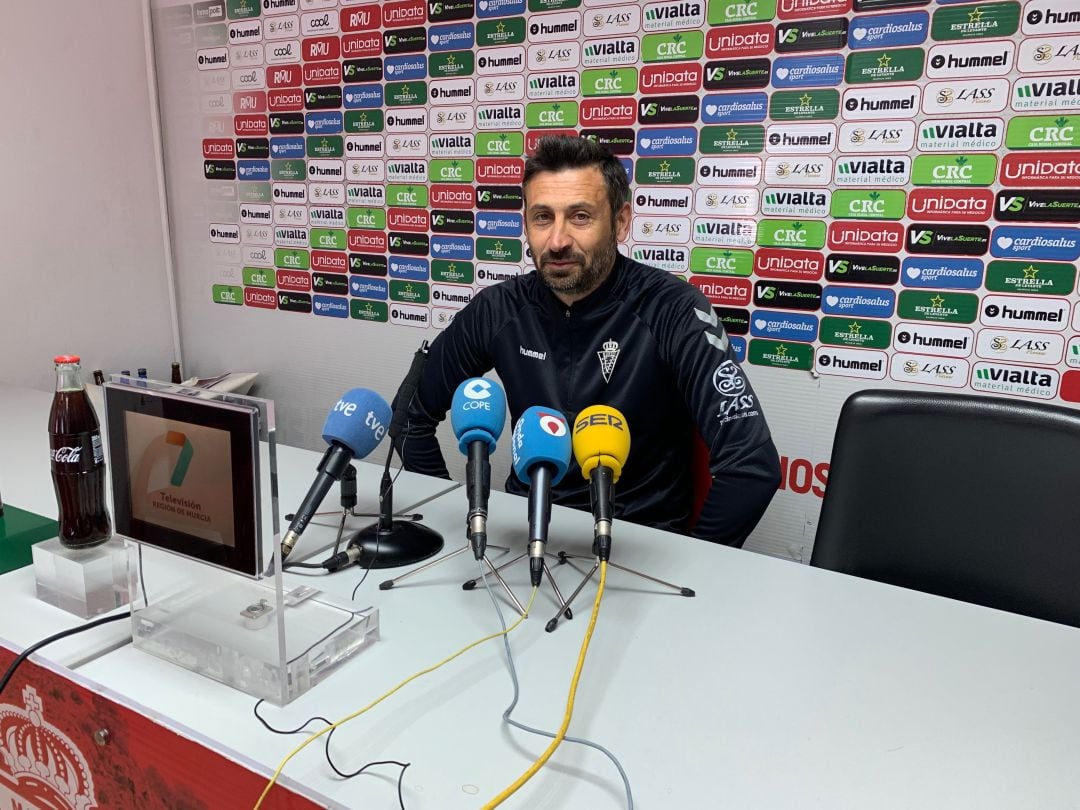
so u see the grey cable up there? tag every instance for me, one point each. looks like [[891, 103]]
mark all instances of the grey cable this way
[[517, 693]]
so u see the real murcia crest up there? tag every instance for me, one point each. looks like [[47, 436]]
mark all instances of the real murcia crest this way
[[608, 355]]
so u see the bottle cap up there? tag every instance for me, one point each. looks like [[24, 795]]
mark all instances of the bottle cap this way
[[66, 358]]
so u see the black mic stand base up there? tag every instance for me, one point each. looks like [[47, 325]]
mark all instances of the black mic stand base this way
[[404, 543], [564, 558]]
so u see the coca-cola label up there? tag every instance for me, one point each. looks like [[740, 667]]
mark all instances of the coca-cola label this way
[[76, 453]]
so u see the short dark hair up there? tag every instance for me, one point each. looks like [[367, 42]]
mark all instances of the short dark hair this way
[[554, 153]]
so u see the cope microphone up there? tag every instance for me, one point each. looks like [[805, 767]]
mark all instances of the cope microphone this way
[[601, 445], [354, 427], [540, 450], [477, 415]]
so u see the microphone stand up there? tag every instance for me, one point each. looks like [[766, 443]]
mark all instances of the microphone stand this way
[[600, 484], [390, 543]]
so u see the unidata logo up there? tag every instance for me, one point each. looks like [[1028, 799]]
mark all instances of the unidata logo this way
[[950, 205], [1058, 169], [805, 9], [789, 265], [889, 30], [957, 274], [857, 236], [724, 291], [737, 41], [674, 78]]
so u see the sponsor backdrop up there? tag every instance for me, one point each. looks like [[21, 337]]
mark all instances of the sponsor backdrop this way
[[870, 192]]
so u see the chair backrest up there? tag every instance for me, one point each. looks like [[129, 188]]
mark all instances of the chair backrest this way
[[973, 498]]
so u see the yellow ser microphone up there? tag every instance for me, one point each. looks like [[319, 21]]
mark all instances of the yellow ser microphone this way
[[601, 445]]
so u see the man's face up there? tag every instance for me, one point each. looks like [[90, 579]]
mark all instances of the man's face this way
[[570, 230]]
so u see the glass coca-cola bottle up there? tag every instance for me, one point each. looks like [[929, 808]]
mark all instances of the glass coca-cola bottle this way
[[78, 460]]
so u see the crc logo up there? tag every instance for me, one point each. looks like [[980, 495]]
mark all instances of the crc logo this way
[[552, 424], [728, 380], [477, 389]]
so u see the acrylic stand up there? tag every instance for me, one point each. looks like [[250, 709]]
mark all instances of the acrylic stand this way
[[83, 581], [254, 634]]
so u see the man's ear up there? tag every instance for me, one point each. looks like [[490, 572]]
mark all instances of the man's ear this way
[[622, 223]]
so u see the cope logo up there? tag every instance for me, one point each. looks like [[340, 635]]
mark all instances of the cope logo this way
[[477, 388]]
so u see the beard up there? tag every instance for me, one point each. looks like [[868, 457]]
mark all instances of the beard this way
[[591, 268]]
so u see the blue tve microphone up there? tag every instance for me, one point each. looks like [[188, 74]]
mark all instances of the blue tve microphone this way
[[477, 415], [541, 450], [354, 427]]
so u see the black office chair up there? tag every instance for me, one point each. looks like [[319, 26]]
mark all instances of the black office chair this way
[[973, 498]]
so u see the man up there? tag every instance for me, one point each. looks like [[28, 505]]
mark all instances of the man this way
[[592, 327]]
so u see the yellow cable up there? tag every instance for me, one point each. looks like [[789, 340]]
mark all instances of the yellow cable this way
[[544, 757], [379, 700]]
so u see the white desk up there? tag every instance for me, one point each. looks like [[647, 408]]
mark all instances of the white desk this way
[[25, 481], [778, 686]]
